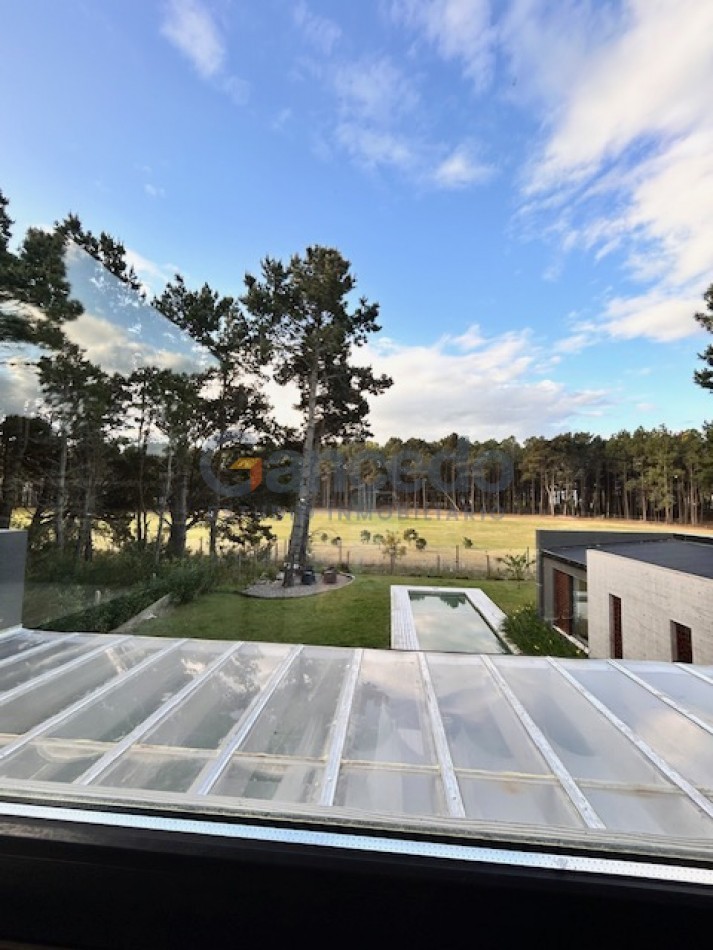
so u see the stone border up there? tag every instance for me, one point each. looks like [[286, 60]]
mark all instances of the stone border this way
[[275, 591], [153, 610]]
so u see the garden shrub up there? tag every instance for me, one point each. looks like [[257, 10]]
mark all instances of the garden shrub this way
[[535, 637]]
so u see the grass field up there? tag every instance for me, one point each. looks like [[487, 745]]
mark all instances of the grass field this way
[[355, 616], [444, 532], [442, 529]]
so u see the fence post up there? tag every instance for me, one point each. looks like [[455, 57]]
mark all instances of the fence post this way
[[438, 564], [457, 558]]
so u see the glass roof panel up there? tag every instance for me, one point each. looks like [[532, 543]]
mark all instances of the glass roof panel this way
[[298, 718], [694, 694], [482, 729], [20, 713], [650, 813], [389, 721], [204, 719], [152, 770], [42, 761], [391, 791], [13, 643], [116, 713], [589, 746], [684, 745], [53, 655], [246, 777], [512, 800]]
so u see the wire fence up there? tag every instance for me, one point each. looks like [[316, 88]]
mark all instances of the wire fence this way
[[457, 561]]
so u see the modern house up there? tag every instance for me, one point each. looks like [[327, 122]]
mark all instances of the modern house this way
[[634, 595], [404, 792]]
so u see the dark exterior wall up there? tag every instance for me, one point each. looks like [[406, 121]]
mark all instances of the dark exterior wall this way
[[13, 554]]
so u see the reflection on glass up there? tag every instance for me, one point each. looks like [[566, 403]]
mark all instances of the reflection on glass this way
[[450, 623], [279, 782], [391, 791], [389, 721]]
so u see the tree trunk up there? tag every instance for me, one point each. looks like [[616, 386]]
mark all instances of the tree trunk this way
[[297, 548], [179, 513], [61, 493]]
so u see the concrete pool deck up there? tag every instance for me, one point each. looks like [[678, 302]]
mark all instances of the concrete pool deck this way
[[403, 628]]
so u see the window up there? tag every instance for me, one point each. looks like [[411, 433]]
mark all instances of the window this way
[[615, 632], [681, 642], [564, 600]]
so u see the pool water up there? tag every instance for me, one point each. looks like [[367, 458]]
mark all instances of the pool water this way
[[451, 624]]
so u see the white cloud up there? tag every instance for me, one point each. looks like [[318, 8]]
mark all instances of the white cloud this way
[[575, 343], [153, 191], [380, 125], [459, 29], [373, 89], [626, 163], [321, 32], [482, 389], [375, 147], [636, 84], [460, 169], [654, 315], [189, 25]]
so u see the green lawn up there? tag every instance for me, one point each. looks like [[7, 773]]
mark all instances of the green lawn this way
[[355, 616]]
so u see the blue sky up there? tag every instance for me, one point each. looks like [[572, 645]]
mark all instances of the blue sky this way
[[525, 187]]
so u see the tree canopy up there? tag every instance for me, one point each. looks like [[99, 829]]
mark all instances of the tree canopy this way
[[304, 309], [704, 377]]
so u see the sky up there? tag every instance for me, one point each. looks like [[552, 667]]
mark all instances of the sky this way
[[524, 187]]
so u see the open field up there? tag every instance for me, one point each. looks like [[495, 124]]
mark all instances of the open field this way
[[444, 531], [355, 616]]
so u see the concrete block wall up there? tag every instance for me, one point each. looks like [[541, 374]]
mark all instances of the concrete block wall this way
[[651, 597], [13, 556]]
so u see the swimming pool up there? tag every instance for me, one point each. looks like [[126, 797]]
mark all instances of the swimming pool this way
[[445, 619]]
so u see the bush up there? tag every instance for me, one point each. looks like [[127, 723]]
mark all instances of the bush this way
[[183, 580], [535, 637]]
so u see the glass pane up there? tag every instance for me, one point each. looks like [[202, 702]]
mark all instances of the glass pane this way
[[692, 693], [279, 782], [389, 721], [47, 699], [511, 800], [115, 714], [54, 656], [390, 790], [18, 642], [151, 770], [588, 745], [685, 746], [298, 718], [207, 716], [650, 813], [49, 762], [482, 729]]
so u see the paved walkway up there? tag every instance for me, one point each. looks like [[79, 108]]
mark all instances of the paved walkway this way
[[274, 589]]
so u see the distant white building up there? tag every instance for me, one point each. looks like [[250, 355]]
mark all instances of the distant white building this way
[[629, 595]]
